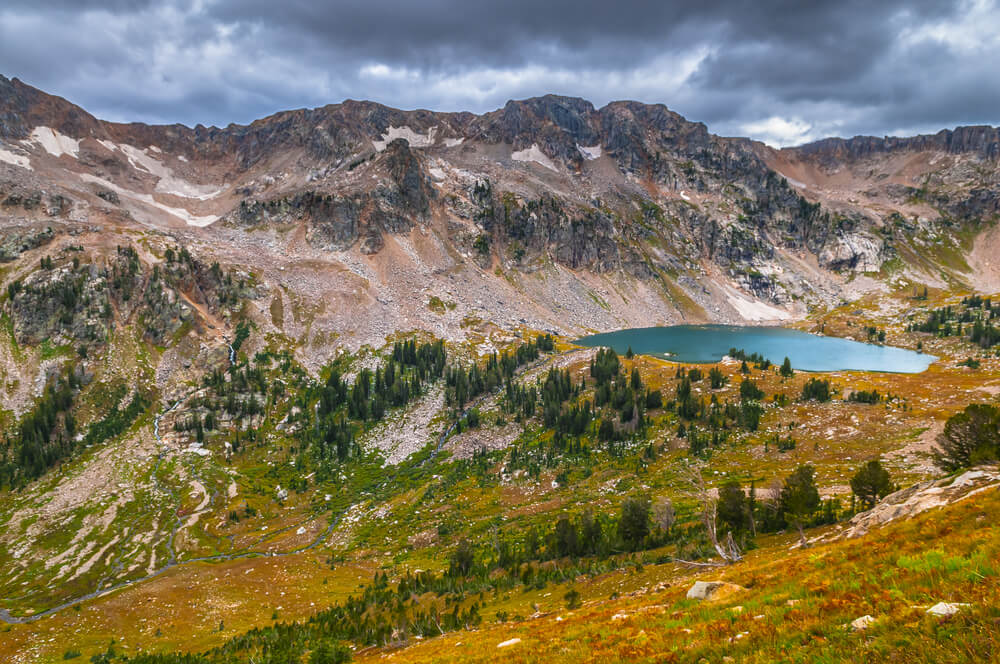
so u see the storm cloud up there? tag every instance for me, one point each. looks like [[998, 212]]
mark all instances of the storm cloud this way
[[783, 71]]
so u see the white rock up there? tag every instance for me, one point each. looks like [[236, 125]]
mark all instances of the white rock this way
[[969, 478], [862, 623], [945, 609], [508, 642], [706, 590]]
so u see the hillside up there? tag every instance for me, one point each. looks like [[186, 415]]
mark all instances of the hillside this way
[[309, 387]]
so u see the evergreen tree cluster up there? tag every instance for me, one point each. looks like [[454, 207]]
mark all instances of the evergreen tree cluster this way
[[125, 272], [465, 384], [970, 437], [117, 421], [428, 359], [44, 437], [758, 360], [619, 406], [707, 425], [975, 317], [816, 389], [865, 396], [796, 502], [340, 408]]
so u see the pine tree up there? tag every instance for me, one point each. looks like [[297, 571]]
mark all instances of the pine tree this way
[[633, 525], [800, 498], [732, 508], [871, 482], [969, 438]]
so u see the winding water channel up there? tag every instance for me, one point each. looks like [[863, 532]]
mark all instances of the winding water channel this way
[[172, 561]]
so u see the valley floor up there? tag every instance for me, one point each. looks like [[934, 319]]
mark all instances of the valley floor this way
[[327, 540]]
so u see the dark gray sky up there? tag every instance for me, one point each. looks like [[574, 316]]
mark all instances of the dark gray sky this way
[[783, 71]]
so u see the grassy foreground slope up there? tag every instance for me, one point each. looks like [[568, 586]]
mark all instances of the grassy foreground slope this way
[[797, 605], [392, 520]]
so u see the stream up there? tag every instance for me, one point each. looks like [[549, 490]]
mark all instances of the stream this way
[[172, 561]]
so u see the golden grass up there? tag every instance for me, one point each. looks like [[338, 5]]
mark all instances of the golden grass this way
[[796, 607]]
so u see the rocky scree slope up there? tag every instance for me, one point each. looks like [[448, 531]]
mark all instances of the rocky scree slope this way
[[547, 199]]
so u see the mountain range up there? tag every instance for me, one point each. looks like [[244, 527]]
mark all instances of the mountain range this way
[[309, 389], [548, 211]]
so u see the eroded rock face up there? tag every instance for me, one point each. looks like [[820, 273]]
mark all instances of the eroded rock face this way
[[412, 192], [853, 252], [630, 187], [63, 305], [924, 496], [16, 197], [536, 230], [980, 203], [980, 140], [16, 241], [336, 221]]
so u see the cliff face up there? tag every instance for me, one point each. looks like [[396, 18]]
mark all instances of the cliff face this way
[[22, 108], [982, 141]]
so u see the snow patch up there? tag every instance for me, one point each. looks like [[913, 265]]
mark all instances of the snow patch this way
[[15, 159], [413, 138], [168, 183], [436, 173], [590, 153], [685, 196], [55, 144], [453, 142], [755, 310], [794, 182], [179, 213], [534, 154]]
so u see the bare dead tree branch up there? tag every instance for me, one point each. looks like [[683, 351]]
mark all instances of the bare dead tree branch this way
[[730, 553]]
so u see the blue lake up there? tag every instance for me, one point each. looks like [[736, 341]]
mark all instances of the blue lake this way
[[705, 344]]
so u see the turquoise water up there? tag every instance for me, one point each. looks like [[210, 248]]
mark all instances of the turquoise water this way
[[704, 344]]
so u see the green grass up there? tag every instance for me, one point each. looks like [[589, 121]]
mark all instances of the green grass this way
[[469, 500]]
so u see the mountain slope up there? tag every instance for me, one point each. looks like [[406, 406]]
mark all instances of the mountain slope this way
[[249, 372], [575, 218]]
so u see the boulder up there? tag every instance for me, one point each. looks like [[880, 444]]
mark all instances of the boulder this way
[[713, 590], [945, 609], [913, 500], [862, 623]]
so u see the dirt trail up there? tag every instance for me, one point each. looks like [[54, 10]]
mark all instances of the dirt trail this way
[[216, 325]]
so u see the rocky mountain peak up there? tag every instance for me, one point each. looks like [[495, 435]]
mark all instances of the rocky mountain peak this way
[[23, 107], [982, 141]]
